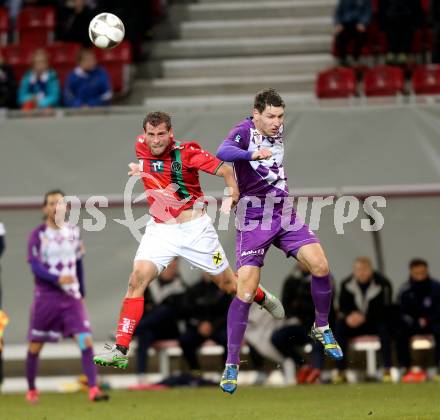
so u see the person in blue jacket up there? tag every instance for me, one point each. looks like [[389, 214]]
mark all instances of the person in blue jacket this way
[[88, 85], [39, 87], [351, 21]]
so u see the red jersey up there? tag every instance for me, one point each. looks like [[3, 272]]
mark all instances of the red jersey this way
[[171, 180]]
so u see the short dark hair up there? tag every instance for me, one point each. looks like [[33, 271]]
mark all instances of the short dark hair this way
[[156, 118], [267, 97], [52, 192], [415, 262]]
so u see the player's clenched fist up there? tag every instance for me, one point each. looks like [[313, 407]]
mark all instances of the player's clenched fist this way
[[261, 154]]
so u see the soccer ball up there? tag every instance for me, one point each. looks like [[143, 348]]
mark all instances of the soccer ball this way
[[106, 30]]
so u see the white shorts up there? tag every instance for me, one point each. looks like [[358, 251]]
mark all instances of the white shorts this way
[[196, 241]]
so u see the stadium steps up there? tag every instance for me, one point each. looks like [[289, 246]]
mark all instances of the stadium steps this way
[[250, 66], [229, 102], [208, 29], [239, 47], [227, 10], [220, 50], [224, 85]]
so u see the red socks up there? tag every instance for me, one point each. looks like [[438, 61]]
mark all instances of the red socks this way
[[131, 313], [259, 296]]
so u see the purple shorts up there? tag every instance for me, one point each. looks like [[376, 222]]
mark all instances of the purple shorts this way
[[252, 244], [54, 317]]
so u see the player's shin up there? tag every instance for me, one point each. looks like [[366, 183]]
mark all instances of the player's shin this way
[[322, 298], [238, 315], [131, 313], [88, 366], [31, 369]]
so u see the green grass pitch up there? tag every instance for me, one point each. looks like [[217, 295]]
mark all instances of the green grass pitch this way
[[325, 402]]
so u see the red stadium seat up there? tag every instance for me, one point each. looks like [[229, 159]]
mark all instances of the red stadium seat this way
[[338, 82], [422, 41], [63, 58], [426, 80], [383, 81], [19, 57], [4, 24], [35, 26], [117, 62]]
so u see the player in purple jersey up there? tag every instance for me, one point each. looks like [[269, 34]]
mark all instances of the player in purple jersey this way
[[266, 216], [55, 253]]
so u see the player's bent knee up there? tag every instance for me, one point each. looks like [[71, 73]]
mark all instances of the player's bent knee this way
[[320, 267], [84, 341], [35, 347], [139, 279]]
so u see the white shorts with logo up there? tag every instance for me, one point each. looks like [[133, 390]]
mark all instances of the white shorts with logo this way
[[196, 241]]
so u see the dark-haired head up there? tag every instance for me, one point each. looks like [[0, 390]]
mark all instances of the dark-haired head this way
[[268, 114], [50, 193], [418, 269]]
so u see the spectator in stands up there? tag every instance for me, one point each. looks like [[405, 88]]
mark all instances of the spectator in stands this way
[[8, 90], [73, 22], [205, 310], [88, 85], [300, 313], [351, 20], [2, 248], [364, 309], [39, 87], [435, 20], [159, 321], [399, 19], [419, 301]]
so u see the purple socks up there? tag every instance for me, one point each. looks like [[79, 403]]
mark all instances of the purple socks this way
[[88, 366], [31, 369], [322, 298], [238, 314]]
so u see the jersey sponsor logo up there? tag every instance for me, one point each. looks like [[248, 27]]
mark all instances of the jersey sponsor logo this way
[[156, 165], [253, 252], [176, 166], [237, 138], [217, 258], [257, 138]]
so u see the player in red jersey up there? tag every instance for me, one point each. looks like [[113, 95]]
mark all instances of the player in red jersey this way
[[180, 225]]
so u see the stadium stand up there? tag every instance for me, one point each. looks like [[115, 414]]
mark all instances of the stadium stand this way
[[4, 26], [383, 81], [36, 26], [336, 83], [426, 80]]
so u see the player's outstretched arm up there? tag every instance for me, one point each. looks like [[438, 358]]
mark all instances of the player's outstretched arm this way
[[228, 174], [231, 151]]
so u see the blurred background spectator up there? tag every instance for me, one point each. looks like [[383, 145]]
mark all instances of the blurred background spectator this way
[[39, 87], [88, 85], [8, 89], [419, 301], [73, 22], [300, 313], [435, 22], [399, 19], [364, 309], [351, 20], [205, 310], [162, 308]]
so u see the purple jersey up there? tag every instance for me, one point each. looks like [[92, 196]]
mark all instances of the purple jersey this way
[[53, 253], [259, 177]]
